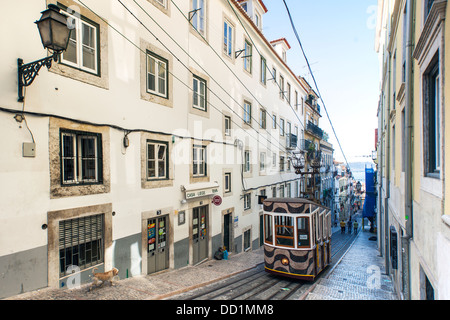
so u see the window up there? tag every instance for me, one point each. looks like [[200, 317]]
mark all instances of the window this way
[[263, 70], [247, 201], [157, 160], [288, 93], [199, 93], [247, 166], [81, 243], [274, 191], [81, 157], [274, 122], [227, 126], [284, 231], [281, 127], [274, 159], [257, 20], [282, 164], [274, 74], [228, 39], [296, 100], [428, 5], [432, 118], [262, 118], [282, 191], [247, 56], [162, 2], [288, 189], [199, 161], [268, 232], [157, 75], [247, 112], [82, 51], [288, 134], [198, 15], [262, 161], [303, 232], [244, 6], [281, 87], [227, 182]]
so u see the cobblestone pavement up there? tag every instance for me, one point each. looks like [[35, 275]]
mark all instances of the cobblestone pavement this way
[[354, 277], [360, 275]]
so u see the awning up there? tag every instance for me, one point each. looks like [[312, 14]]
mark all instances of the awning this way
[[198, 190]]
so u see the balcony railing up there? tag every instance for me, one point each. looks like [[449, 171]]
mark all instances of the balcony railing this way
[[291, 141], [315, 130]]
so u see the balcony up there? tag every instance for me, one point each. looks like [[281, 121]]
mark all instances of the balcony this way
[[314, 130], [291, 141]]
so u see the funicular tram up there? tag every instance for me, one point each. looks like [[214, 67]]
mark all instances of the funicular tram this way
[[297, 237]]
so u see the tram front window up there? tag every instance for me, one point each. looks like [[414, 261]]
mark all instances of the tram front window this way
[[268, 236], [303, 232], [284, 231]]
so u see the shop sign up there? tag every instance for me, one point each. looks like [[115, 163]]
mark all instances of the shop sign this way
[[201, 193]]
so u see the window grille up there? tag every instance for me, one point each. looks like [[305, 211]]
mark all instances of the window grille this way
[[81, 242]]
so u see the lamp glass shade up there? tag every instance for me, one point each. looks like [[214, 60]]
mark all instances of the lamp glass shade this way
[[53, 29]]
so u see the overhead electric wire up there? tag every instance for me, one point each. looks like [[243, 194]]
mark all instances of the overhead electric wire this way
[[80, 1], [314, 79], [188, 69], [198, 64], [238, 78]]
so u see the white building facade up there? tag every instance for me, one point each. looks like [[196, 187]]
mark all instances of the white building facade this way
[[119, 150]]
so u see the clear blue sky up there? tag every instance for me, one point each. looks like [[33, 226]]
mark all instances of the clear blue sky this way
[[338, 38]]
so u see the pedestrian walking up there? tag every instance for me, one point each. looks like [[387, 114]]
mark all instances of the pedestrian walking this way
[[342, 226], [349, 226], [355, 226]]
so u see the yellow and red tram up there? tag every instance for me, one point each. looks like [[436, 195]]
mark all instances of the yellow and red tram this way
[[297, 237]]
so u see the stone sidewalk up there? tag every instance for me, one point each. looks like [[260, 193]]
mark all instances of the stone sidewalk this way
[[360, 275]]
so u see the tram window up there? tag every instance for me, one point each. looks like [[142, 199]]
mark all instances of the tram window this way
[[329, 225], [303, 232], [320, 226], [316, 217], [325, 227], [268, 234], [284, 231]]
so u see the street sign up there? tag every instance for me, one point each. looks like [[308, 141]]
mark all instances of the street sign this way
[[217, 200]]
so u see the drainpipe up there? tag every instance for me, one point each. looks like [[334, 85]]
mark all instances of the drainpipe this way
[[406, 240]]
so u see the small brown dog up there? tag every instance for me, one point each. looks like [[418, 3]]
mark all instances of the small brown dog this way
[[103, 277]]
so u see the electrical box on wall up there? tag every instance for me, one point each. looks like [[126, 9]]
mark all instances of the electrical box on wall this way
[[29, 150]]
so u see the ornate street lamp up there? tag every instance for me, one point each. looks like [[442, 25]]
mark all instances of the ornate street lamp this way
[[54, 34], [298, 162]]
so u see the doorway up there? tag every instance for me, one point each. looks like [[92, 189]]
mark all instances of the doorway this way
[[227, 231], [157, 244], [200, 231]]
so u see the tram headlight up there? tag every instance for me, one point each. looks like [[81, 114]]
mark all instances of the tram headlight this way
[[285, 261]]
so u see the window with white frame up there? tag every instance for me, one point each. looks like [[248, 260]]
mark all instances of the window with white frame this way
[[262, 118], [247, 112], [157, 160], [247, 201], [247, 56], [281, 127], [199, 161], [432, 117], [197, 15], [274, 121], [162, 3], [82, 51], [281, 163], [199, 93], [288, 190], [288, 93], [262, 161], [227, 182], [263, 70], [81, 157], [228, 39], [274, 191], [282, 191], [157, 75], [281, 87], [227, 125], [247, 163]]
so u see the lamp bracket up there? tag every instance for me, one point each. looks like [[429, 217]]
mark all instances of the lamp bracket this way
[[28, 72]]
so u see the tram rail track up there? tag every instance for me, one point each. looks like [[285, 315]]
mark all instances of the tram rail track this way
[[257, 284]]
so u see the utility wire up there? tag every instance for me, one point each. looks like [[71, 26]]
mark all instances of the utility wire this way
[[238, 78], [314, 79], [187, 68]]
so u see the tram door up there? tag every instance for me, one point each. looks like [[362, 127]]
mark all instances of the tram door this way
[[200, 234], [158, 244]]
